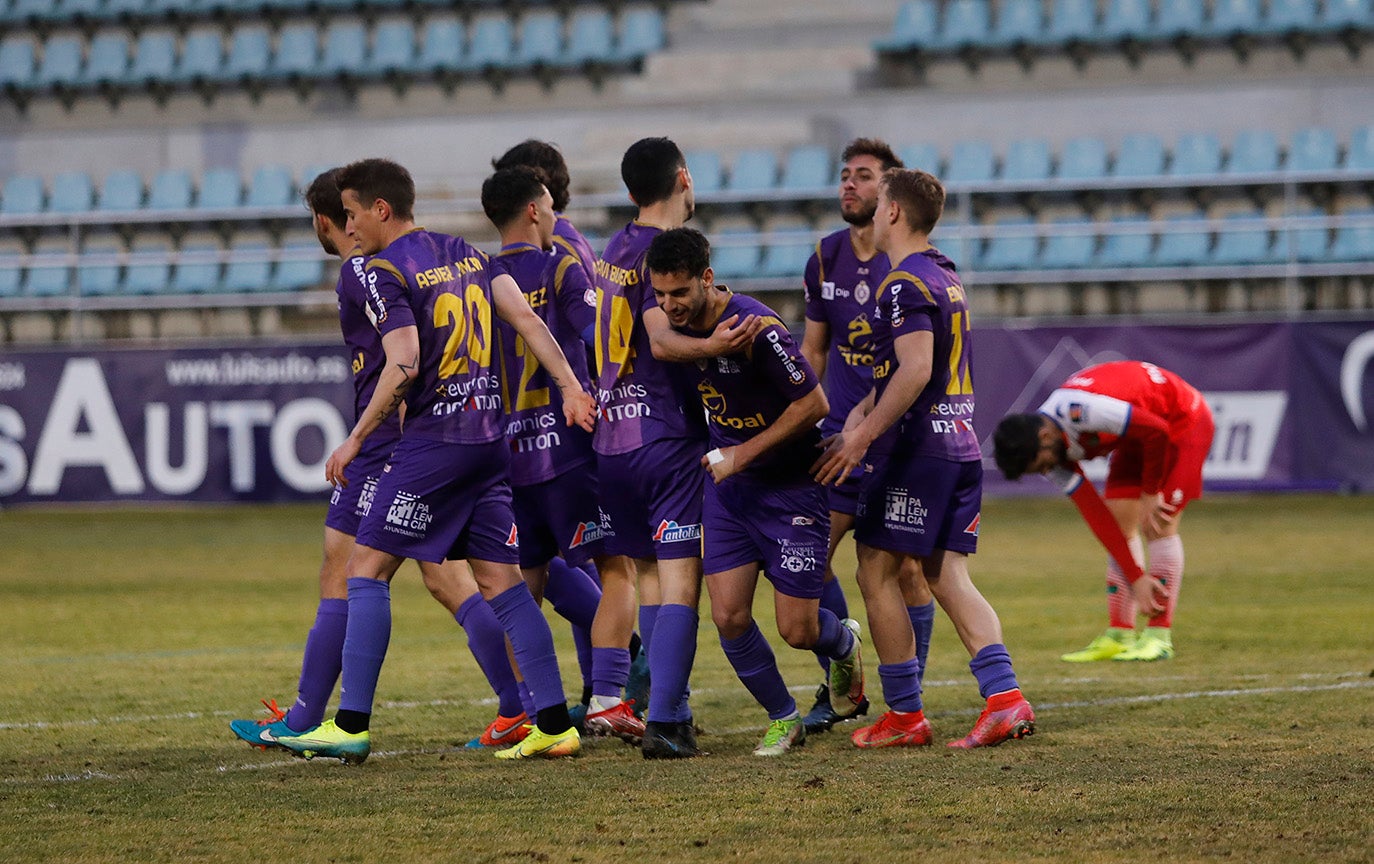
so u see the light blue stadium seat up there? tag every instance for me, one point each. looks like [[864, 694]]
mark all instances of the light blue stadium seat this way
[[1195, 155], [1243, 240], [493, 43], [1232, 18], [1010, 251], [1083, 159], [1126, 21], [591, 38], [220, 189], [1069, 246], [122, 191], [1255, 151], [297, 274], [345, 50], [966, 25], [297, 53], [971, 162], [705, 167], [917, 22], [444, 48], [1290, 16], [1341, 15], [540, 42], [732, 258], [753, 171], [61, 64], [786, 260], [150, 267], [126, 9], [250, 55], [249, 268], [1355, 242], [170, 190], [202, 57], [641, 34], [155, 58], [107, 65], [16, 63], [1179, 18], [197, 269], [1019, 22], [97, 271], [1126, 247], [270, 187], [1311, 241], [1185, 245], [52, 275], [1139, 156], [22, 195], [82, 10], [808, 167], [36, 11], [1028, 159], [393, 49], [923, 156], [1312, 149], [1072, 21], [72, 192], [11, 275], [1359, 156]]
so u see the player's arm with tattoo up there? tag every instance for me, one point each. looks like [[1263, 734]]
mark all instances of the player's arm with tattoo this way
[[402, 347]]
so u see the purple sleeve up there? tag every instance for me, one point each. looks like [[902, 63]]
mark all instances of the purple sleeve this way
[[647, 301], [775, 353], [815, 305], [387, 298], [911, 308], [573, 290]]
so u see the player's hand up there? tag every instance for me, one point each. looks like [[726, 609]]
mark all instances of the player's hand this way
[[840, 455], [579, 409], [339, 459], [1157, 515], [734, 334], [1150, 594], [855, 416], [723, 466]]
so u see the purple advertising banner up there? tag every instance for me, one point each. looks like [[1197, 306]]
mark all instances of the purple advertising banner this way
[[242, 423]]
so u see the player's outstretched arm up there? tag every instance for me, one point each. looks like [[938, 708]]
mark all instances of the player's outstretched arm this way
[[732, 335], [402, 347], [578, 406], [795, 419]]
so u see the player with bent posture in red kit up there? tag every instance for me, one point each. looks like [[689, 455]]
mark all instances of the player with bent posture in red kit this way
[[1157, 429]]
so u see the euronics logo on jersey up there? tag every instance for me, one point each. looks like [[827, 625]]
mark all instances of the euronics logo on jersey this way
[[407, 511], [671, 532]]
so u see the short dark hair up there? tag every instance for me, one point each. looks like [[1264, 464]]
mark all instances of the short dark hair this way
[[679, 250], [545, 156], [920, 195], [508, 191], [649, 169], [322, 197], [875, 147], [380, 178], [1016, 443]]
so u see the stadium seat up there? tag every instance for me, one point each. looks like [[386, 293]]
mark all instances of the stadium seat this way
[[86, 11], [1244, 239], [1028, 160], [1179, 19], [1306, 242], [971, 162], [22, 195], [297, 53], [345, 51], [1069, 245], [443, 52], [1071, 22], [808, 168], [127, 10], [97, 270], [925, 157], [52, 275], [1019, 22], [11, 274], [965, 26], [492, 44], [300, 268], [107, 65], [201, 59], [1083, 159], [916, 23], [250, 56], [1359, 156], [35, 11], [393, 49], [641, 34], [591, 38], [155, 58], [541, 41], [1139, 156], [786, 260], [170, 190], [734, 258], [249, 267], [150, 267], [1183, 242], [753, 171], [1290, 17], [1126, 21], [707, 173], [1232, 18], [220, 189], [1254, 152], [72, 192], [16, 64], [1346, 15], [1127, 245], [1195, 155], [1014, 250], [270, 187], [1355, 242], [121, 191], [197, 270], [1312, 149], [60, 68]]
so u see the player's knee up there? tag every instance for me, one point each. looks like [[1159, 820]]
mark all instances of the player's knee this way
[[731, 623], [799, 634]]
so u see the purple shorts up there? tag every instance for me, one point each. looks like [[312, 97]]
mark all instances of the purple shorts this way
[[786, 529], [652, 498], [916, 504], [349, 504], [560, 517], [845, 497], [437, 500]]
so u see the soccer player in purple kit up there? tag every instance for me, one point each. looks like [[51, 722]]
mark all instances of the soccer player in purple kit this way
[[450, 582], [444, 492], [762, 509], [840, 281], [650, 438], [553, 471], [923, 496]]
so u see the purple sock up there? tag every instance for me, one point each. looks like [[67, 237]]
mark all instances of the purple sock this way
[[835, 639], [575, 595], [610, 671], [832, 600], [364, 648], [320, 665], [533, 643], [757, 668], [487, 641], [648, 616], [992, 667], [526, 700], [671, 655], [901, 685], [922, 623]]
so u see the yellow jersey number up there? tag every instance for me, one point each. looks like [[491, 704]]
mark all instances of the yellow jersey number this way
[[614, 329], [470, 340], [960, 381]]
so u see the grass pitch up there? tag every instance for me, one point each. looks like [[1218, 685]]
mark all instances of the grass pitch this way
[[130, 639]]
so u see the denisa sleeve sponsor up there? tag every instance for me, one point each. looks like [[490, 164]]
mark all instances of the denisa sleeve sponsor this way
[[387, 295]]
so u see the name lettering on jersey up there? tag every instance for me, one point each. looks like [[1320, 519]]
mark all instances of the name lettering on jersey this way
[[359, 363], [955, 292], [445, 273], [538, 297], [618, 275], [794, 372], [671, 532]]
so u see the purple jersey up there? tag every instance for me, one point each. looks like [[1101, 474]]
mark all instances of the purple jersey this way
[[556, 287], [364, 342], [641, 399], [441, 285], [745, 393], [570, 240], [923, 293], [839, 292]]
